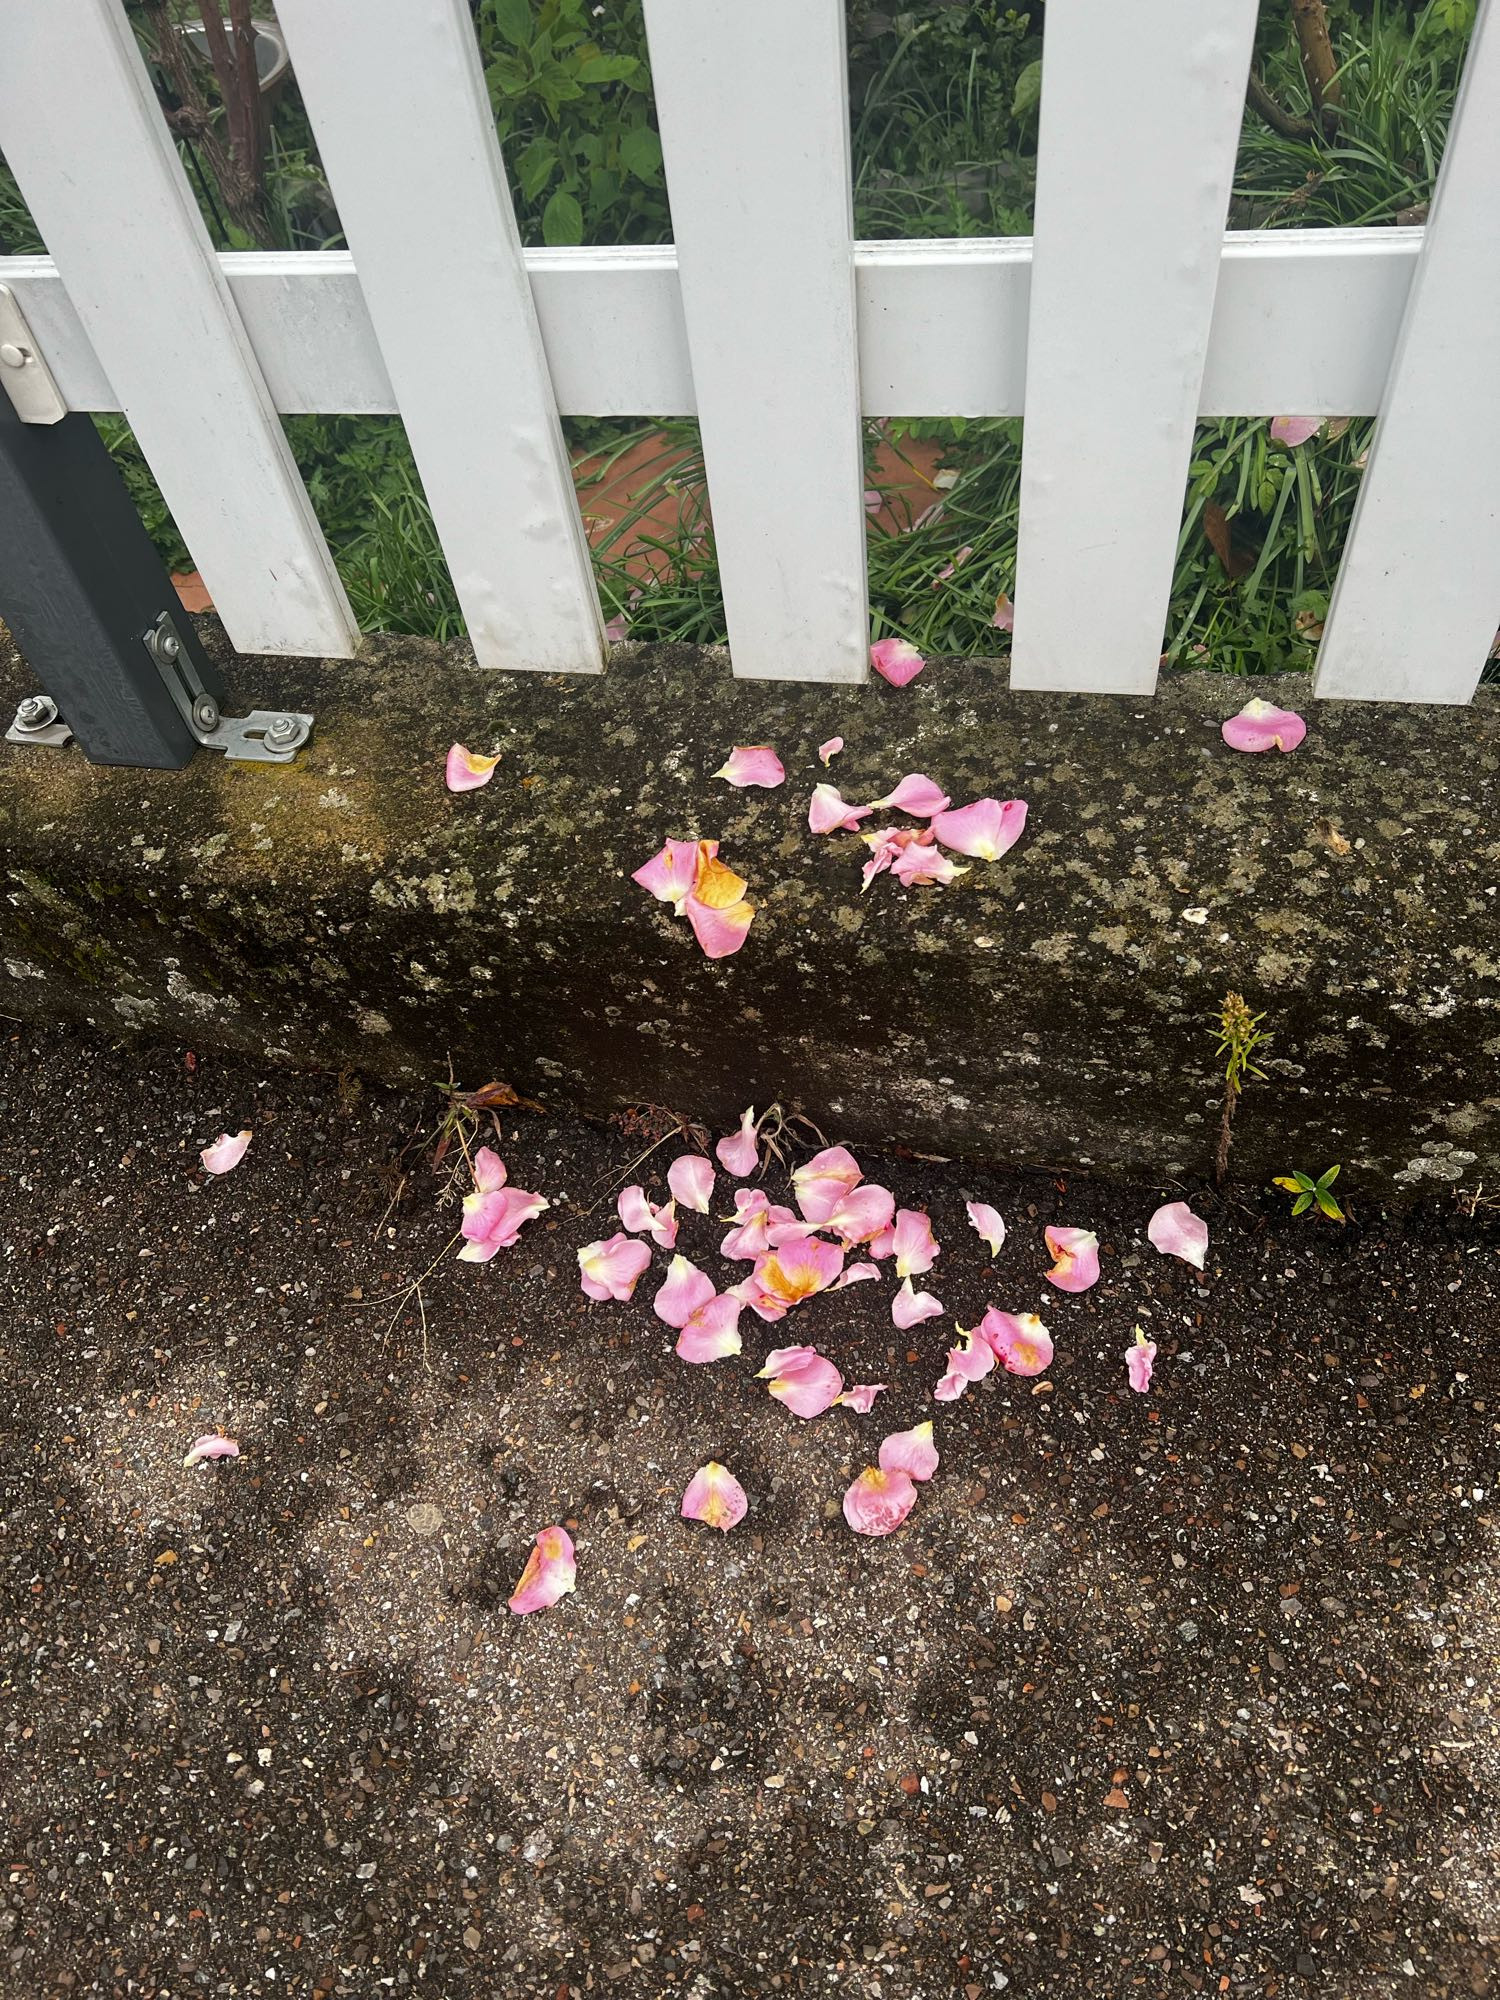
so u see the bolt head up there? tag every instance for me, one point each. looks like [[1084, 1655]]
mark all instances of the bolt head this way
[[36, 711], [12, 355], [282, 729]]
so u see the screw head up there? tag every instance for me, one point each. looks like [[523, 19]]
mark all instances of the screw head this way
[[12, 355], [206, 712], [168, 645], [36, 711]]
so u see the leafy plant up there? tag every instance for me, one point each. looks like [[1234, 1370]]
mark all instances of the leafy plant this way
[[1309, 1192], [1239, 1036]]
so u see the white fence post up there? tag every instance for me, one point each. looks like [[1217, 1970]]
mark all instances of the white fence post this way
[[752, 101], [1417, 599], [397, 100], [88, 144], [1141, 111]]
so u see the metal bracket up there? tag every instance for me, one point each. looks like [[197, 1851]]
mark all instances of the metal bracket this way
[[24, 375], [264, 736], [36, 721]]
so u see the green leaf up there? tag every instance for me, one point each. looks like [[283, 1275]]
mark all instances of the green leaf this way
[[1328, 1179], [606, 69], [640, 152], [1028, 95], [513, 19], [1329, 1206], [506, 76], [535, 166], [562, 220], [1303, 1202]]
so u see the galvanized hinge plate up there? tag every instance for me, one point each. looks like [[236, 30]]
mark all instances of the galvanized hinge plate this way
[[264, 736], [24, 375]]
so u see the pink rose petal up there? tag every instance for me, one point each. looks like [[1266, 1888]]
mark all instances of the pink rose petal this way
[[684, 1291], [225, 1152], [755, 764], [878, 1502], [916, 794], [909, 1308], [738, 1154], [638, 1213], [550, 1572], [715, 1497], [1295, 430], [803, 1379], [712, 1331], [1019, 1341], [855, 1274], [961, 557], [822, 1182], [921, 863], [829, 750], [1004, 619], [799, 1269], [912, 1452], [671, 873], [1177, 1232], [861, 1214], [617, 629], [1075, 1254], [861, 1397], [987, 829], [466, 772], [691, 1179], [210, 1446], [610, 1269], [895, 661], [987, 1225], [828, 811], [755, 1215], [1262, 726], [720, 932], [970, 1362], [915, 1245], [494, 1216], [1139, 1358]]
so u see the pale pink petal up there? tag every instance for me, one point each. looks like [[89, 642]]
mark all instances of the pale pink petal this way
[[739, 1155], [828, 811], [670, 874], [823, 1181], [856, 1274], [788, 1229], [720, 932], [691, 1179], [861, 1214], [550, 1572], [1076, 1259], [947, 570], [829, 750], [884, 847], [878, 1502], [211, 1446], [225, 1152], [861, 1396], [1019, 1341], [987, 1225], [914, 1243], [617, 628], [466, 772], [1004, 619], [755, 764], [909, 1308], [749, 1293], [912, 1452], [610, 1269], [488, 1170], [874, 500], [987, 829], [882, 1245], [1295, 430], [684, 1291], [917, 795], [799, 1269], [715, 1497], [923, 865], [1177, 1232], [712, 1331], [803, 1379], [1260, 725], [895, 661], [1139, 1358], [787, 1361], [968, 1363], [755, 1218], [639, 1213], [493, 1221]]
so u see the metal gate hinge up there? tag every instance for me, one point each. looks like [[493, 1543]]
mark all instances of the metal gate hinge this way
[[24, 375], [264, 736]]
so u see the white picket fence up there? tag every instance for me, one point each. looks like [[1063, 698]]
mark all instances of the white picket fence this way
[[1127, 315]]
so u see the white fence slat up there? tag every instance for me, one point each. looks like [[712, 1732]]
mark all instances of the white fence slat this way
[[752, 102], [398, 104], [1417, 599], [1140, 117], [88, 144]]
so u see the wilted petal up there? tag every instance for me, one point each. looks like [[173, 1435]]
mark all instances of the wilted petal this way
[[712, 1330], [639, 1213], [961, 557], [738, 1154], [1004, 619], [549, 1574], [1177, 1232], [967, 1363], [225, 1152], [921, 864], [878, 1502], [492, 1221], [914, 1243], [987, 829], [884, 847], [861, 1396], [1139, 1359], [987, 1225], [720, 932], [464, 772], [670, 874], [756, 764], [829, 750], [803, 1379], [764, 1304], [755, 1217], [799, 1269], [715, 1497], [1295, 430], [856, 1274], [916, 795], [488, 1170], [685, 1290], [823, 1181], [211, 1446], [895, 661], [1260, 725], [1076, 1259], [691, 1179], [610, 1269], [861, 1214], [828, 811], [1019, 1341], [912, 1452], [909, 1308]]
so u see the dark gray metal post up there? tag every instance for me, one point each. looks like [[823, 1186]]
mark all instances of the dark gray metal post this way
[[80, 587]]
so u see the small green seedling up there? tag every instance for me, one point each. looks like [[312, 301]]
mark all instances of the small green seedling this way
[[1308, 1191]]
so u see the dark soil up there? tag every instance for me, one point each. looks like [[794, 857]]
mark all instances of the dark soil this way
[[1191, 1692]]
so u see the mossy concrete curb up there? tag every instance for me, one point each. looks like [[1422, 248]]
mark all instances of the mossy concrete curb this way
[[1053, 1007]]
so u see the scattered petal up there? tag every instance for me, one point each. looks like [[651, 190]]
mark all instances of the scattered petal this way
[[915, 1245], [755, 1217], [987, 1225], [829, 750], [712, 1331], [1075, 1254], [828, 811], [738, 1154], [987, 829], [874, 500], [225, 1152], [617, 629], [637, 1212], [895, 661], [803, 1379], [968, 1363], [878, 1502], [1262, 726], [691, 1179], [1004, 619], [861, 1214], [882, 1245], [922, 864], [884, 847], [755, 764], [549, 1574], [1293, 431], [1019, 1341], [670, 875], [861, 1397], [856, 1274], [822, 1182], [715, 1497], [961, 557], [1177, 1232], [798, 1270], [909, 1308], [493, 1220], [912, 1452], [1139, 1358], [916, 794], [211, 1446], [488, 1170], [610, 1269], [684, 1291], [464, 772], [720, 932]]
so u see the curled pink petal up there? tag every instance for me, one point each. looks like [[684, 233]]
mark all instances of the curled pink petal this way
[[878, 1502], [1004, 619], [829, 750], [1295, 430], [670, 875], [882, 1245], [909, 1308], [916, 794], [640, 1214], [1075, 1254], [1139, 1359], [969, 1362], [466, 772], [895, 661], [1262, 726], [610, 1269], [861, 1396], [861, 1214], [1177, 1232], [923, 865], [961, 557], [210, 1446], [493, 1221], [711, 1331], [799, 1269], [1019, 1341], [987, 1225], [225, 1152], [720, 932], [755, 764], [738, 1154], [762, 1303], [855, 1274], [715, 1497], [884, 847], [912, 1452], [915, 1245], [874, 500], [987, 829], [822, 1182], [691, 1179], [550, 1572], [489, 1170], [684, 1290], [828, 811], [755, 1217], [803, 1379]]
